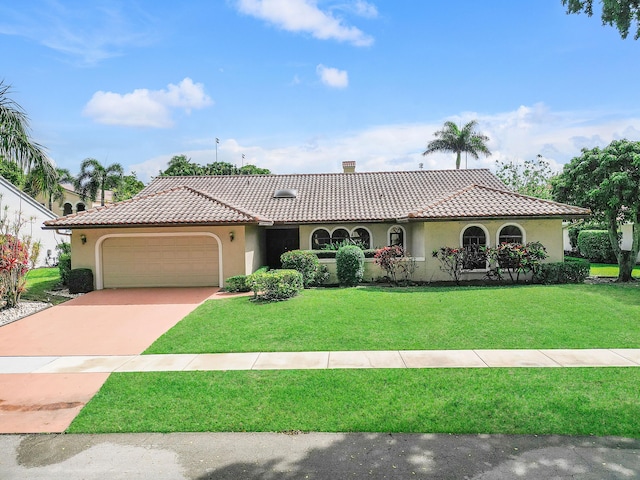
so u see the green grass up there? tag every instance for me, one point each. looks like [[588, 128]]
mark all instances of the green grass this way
[[609, 270], [566, 316], [41, 280], [567, 401]]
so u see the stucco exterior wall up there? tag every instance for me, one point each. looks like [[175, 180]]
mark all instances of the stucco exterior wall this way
[[254, 248], [379, 233], [232, 251]]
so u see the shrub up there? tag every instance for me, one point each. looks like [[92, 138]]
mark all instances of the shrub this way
[[63, 247], [304, 262], [64, 265], [574, 230], [275, 285], [452, 261], [237, 283], [396, 262], [572, 271], [80, 280], [596, 246], [350, 265], [15, 262], [517, 259]]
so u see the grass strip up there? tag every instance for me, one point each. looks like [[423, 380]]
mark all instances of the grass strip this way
[[369, 318], [564, 401], [610, 270], [39, 282]]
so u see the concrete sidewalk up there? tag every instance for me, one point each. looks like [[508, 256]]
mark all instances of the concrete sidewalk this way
[[319, 456], [321, 360]]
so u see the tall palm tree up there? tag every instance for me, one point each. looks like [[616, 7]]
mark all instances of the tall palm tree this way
[[15, 144], [453, 139], [94, 178]]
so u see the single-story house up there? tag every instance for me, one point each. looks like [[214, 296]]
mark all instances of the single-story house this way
[[200, 230], [17, 206]]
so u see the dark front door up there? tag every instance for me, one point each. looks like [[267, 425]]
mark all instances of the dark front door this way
[[280, 240]]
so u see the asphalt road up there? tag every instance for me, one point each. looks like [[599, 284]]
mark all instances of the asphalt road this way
[[280, 456]]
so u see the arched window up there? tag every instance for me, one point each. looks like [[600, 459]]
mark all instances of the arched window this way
[[472, 239], [320, 238], [362, 237], [339, 235], [67, 209], [80, 207], [396, 236], [510, 234]]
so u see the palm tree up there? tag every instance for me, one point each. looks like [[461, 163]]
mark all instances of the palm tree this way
[[33, 185], [94, 178], [453, 139], [15, 144]]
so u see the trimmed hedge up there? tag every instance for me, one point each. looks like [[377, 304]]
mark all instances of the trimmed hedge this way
[[275, 285], [80, 280], [305, 262], [369, 253], [237, 283], [64, 265], [596, 246], [569, 271], [350, 265]]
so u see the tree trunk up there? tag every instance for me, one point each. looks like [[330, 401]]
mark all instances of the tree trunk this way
[[626, 262], [458, 161]]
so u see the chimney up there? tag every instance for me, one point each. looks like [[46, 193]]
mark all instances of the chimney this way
[[349, 166]]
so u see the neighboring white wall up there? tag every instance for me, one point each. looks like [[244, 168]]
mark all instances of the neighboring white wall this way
[[34, 215]]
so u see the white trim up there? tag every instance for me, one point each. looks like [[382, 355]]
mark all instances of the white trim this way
[[484, 229], [314, 231], [363, 228], [511, 224], [98, 251], [404, 235]]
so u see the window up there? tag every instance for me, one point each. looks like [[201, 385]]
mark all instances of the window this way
[[339, 235], [362, 237], [510, 234], [472, 239], [80, 207], [67, 209], [320, 238], [396, 236]]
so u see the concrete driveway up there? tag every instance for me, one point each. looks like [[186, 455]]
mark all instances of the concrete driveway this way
[[105, 322]]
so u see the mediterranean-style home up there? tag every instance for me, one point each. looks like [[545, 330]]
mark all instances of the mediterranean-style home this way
[[196, 231], [72, 201]]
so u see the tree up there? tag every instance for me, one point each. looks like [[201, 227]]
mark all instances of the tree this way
[[532, 178], [94, 178], [33, 185], [608, 182], [453, 139], [128, 188], [180, 166], [16, 146], [12, 172], [621, 13]]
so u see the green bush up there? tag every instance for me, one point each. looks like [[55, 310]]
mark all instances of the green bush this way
[[64, 247], [80, 280], [305, 262], [596, 246], [275, 285], [64, 265], [570, 271], [350, 265], [368, 253], [236, 284]]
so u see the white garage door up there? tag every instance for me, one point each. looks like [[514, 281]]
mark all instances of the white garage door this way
[[180, 261]]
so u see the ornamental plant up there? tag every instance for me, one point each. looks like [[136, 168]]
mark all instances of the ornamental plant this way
[[350, 265], [396, 262], [452, 261], [516, 259], [303, 261]]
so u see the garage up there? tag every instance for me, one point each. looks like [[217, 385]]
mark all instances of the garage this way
[[160, 261]]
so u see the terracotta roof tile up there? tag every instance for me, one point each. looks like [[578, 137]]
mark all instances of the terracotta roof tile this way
[[320, 198], [177, 205], [480, 201]]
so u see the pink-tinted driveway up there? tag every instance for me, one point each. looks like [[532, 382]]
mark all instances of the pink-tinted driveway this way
[[106, 322]]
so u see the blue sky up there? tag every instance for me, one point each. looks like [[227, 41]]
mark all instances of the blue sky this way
[[299, 86]]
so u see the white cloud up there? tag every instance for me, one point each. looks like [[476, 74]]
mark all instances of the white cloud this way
[[516, 135], [88, 34], [332, 77], [146, 108], [305, 16]]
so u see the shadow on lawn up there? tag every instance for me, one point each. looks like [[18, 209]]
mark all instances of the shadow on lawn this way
[[377, 456]]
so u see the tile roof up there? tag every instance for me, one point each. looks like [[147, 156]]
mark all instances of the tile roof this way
[[177, 205], [481, 201], [320, 198]]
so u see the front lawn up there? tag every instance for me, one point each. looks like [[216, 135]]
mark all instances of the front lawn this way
[[566, 316], [610, 270], [564, 401], [39, 282]]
